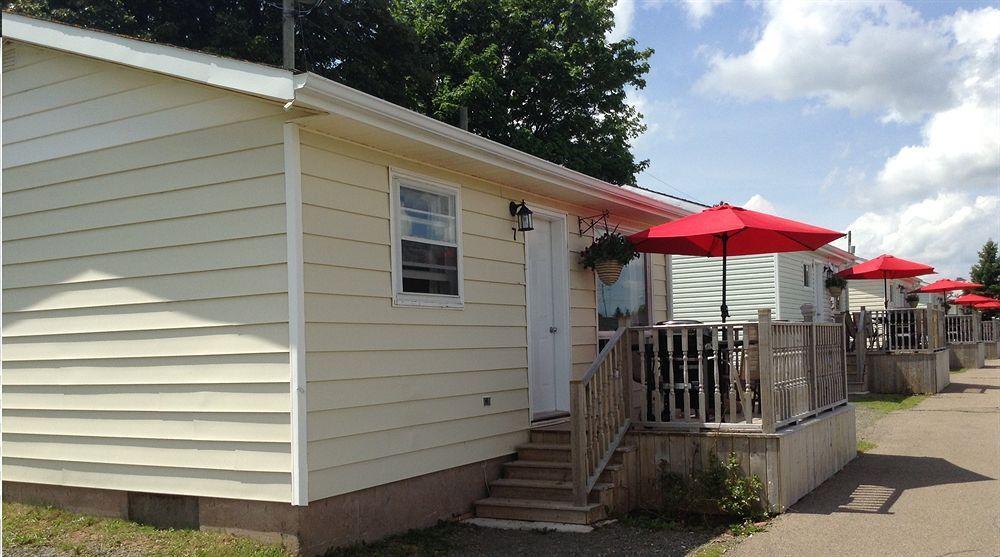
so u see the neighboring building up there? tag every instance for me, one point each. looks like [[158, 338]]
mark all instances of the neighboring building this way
[[297, 306], [783, 282], [871, 293]]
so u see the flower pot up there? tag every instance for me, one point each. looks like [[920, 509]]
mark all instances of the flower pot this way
[[912, 303], [608, 271], [835, 291]]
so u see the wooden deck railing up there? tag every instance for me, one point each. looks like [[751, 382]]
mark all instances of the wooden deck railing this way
[[737, 376], [962, 329], [599, 414], [991, 330], [900, 329]]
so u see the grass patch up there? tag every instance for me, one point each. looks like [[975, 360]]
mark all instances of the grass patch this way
[[865, 445], [960, 370], [886, 403], [33, 526], [714, 549], [424, 542]]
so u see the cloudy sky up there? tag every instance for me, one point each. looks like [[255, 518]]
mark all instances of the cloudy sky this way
[[882, 117]]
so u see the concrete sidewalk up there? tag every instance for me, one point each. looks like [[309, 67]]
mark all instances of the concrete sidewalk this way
[[929, 488]]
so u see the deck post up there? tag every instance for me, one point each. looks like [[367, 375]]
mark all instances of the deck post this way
[[578, 442], [977, 326], [766, 368], [861, 347]]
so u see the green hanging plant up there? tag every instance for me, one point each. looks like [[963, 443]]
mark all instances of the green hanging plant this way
[[607, 255]]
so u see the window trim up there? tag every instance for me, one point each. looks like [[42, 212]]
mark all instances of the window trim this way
[[400, 298]]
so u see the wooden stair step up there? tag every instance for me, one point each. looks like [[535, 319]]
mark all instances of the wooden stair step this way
[[539, 510], [553, 470], [559, 452], [548, 490]]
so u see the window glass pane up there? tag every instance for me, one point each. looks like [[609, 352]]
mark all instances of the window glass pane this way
[[627, 297], [429, 268], [426, 215]]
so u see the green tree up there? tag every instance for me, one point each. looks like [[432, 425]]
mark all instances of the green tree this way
[[537, 75], [987, 270], [356, 42]]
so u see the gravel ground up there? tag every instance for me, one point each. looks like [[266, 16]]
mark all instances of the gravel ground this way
[[613, 539], [865, 419]]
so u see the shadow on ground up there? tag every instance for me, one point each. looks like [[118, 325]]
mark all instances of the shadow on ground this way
[[872, 483]]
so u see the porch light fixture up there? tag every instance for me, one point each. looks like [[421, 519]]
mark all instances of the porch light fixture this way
[[522, 217]]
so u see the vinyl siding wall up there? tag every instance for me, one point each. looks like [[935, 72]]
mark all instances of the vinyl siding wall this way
[[792, 291], [871, 294], [697, 287], [144, 282], [397, 392]]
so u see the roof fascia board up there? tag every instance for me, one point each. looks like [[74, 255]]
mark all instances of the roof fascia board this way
[[329, 96], [237, 75]]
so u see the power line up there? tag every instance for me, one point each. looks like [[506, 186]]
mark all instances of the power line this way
[[673, 187]]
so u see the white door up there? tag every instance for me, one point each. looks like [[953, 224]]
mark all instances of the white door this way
[[547, 300]]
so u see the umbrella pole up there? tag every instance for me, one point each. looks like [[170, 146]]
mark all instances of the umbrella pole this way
[[885, 290], [724, 309]]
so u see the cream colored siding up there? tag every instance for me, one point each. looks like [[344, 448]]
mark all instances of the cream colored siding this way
[[696, 284], [145, 289], [659, 287], [395, 392]]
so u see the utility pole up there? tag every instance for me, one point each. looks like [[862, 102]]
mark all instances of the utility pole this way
[[288, 34]]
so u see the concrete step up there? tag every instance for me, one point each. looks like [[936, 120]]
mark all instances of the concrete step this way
[[548, 490], [539, 510], [558, 471]]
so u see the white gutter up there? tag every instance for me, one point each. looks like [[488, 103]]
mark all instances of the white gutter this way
[[227, 73]]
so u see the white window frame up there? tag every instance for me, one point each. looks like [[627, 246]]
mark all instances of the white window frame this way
[[413, 299]]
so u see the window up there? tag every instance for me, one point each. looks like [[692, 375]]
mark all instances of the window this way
[[427, 255], [805, 275], [627, 297]]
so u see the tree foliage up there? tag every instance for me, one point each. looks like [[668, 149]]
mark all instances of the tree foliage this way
[[987, 270], [537, 75]]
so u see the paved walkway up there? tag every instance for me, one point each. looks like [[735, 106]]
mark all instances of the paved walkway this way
[[930, 488]]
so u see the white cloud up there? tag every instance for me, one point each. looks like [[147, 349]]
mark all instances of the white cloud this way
[[760, 203], [936, 201], [624, 11], [699, 10], [863, 56], [944, 231]]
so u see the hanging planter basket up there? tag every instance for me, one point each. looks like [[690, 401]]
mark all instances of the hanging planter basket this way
[[835, 291], [608, 255], [608, 271]]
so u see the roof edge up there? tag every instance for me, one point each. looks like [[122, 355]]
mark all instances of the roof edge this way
[[228, 73], [317, 92]]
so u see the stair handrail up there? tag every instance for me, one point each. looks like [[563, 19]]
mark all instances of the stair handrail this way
[[599, 414]]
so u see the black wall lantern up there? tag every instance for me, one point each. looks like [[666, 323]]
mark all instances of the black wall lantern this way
[[522, 217]]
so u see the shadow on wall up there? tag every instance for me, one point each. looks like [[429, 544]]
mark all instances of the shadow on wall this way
[[872, 483]]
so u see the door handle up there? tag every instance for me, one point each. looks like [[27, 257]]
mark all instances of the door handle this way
[[553, 330]]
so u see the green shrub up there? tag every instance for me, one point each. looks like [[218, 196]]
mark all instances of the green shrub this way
[[720, 488]]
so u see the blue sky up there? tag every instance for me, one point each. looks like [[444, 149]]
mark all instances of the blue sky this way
[[877, 117]]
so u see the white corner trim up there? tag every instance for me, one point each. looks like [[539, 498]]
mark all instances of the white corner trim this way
[[296, 315], [228, 73], [777, 285]]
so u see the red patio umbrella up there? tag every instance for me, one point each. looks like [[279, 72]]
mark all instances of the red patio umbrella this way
[[992, 304], [886, 267], [726, 230], [972, 300], [947, 285]]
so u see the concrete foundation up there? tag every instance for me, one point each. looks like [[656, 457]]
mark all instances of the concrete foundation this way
[[790, 463], [365, 515], [993, 350], [968, 356], [924, 372]]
